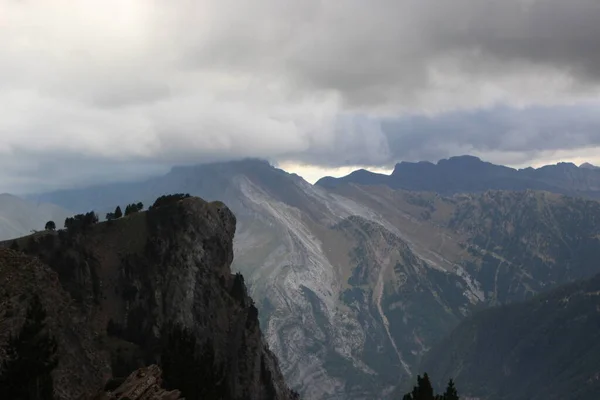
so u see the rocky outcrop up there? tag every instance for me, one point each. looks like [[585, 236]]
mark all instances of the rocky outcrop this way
[[135, 279], [143, 384]]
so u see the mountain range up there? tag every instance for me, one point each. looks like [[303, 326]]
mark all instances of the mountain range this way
[[468, 174], [357, 278]]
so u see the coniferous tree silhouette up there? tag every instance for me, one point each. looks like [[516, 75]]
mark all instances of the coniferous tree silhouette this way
[[118, 213], [451, 393], [30, 358], [424, 391]]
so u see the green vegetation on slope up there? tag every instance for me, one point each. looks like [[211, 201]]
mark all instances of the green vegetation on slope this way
[[546, 348], [522, 243]]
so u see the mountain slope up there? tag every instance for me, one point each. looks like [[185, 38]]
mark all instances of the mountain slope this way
[[545, 348], [18, 217], [355, 283], [465, 174], [130, 281]]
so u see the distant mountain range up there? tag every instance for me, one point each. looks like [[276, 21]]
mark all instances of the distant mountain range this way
[[468, 174], [356, 280], [18, 216]]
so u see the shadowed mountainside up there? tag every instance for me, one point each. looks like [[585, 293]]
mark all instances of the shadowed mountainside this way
[[124, 284], [545, 348]]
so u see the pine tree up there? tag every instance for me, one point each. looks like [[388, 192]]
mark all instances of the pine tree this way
[[30, 358], [132, 208], [118, 213], [424, 391], [450, 393]]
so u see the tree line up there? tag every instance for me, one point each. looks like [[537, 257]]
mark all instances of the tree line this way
[[82, 221], [129, 209], [424, 391]]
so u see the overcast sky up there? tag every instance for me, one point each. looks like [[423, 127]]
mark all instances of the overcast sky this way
[[116, 89]]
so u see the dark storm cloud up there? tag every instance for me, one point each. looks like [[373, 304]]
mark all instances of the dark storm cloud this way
[[155, 82], [526, 132]]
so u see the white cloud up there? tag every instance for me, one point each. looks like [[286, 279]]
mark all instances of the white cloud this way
[[157, 82]]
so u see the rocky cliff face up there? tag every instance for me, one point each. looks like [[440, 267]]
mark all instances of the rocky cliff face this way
[[133, 279]]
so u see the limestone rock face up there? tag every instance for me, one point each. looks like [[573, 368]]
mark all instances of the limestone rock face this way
[[126, 282]]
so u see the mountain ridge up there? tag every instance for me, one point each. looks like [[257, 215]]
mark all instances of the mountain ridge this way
[[470, 174]]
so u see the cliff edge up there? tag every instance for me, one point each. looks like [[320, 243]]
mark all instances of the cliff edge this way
[[138, 290]]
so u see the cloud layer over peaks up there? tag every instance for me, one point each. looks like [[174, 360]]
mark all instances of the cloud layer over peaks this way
[[135, 86]]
